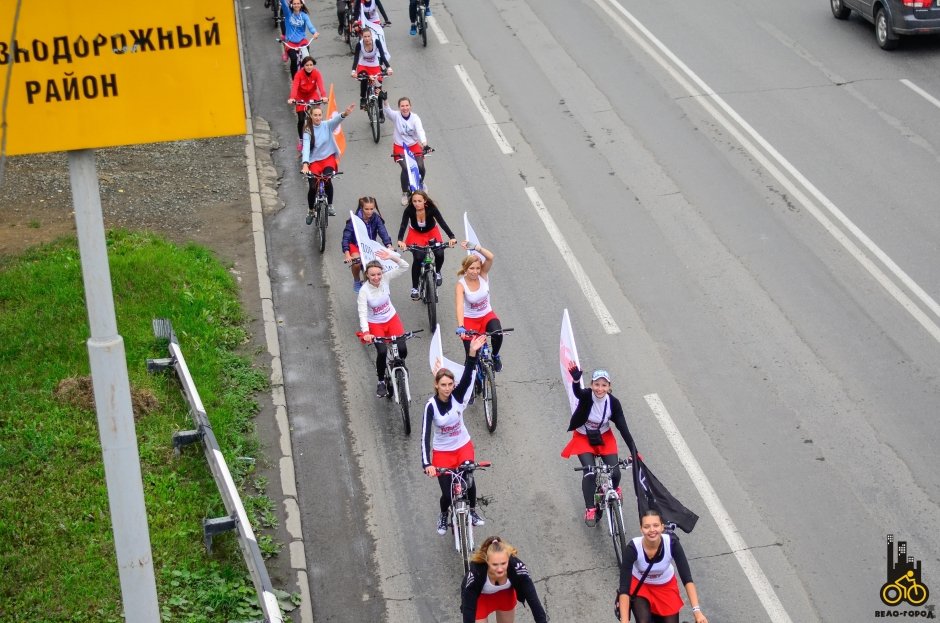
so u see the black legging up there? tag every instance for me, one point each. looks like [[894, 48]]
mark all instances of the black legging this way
[[327, 186], [589, 482], [381, 349], [301, 120], [404, 170], [418, 258], [444, 481], [340, 15], [640, 606], [413, 9], [496, 340], [294, 58]]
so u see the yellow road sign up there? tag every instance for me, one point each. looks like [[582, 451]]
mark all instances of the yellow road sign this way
[[97, 73]]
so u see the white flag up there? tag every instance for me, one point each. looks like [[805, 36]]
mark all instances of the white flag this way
[[368, 246], [378, 33], [437, 359], [471, 237], [568, 357], [414, 175]]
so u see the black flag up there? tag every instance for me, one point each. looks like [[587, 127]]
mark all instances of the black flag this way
[[650, 493]]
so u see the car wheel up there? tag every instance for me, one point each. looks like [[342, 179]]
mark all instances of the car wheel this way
[[884, 36], [839, 10]]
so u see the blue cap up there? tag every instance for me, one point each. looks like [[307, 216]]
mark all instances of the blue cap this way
[[600, 373]]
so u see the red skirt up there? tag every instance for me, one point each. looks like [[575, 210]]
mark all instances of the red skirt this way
[[422, 239], [353, 249], [479, 324], [664, 598], [452, 459], [503, 601], [370, 70], [392, 328], [579, 445], [416, 149], [318, 166]]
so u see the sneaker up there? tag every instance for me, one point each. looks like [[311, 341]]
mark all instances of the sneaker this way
[[442, 524], [427, 11], [381, 116], [438, 280], [590, 516], [331, 210], [404, 198], [357, 285], [414, 30], [310, 215], [497, 363], [362, 103], [414, 294], [475, 519], [339, 29], [380, 390], [300, 145]]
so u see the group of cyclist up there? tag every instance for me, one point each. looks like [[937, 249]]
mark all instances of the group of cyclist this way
[[497, 579]]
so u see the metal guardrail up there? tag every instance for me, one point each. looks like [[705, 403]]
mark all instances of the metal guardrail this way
[[237, 518]]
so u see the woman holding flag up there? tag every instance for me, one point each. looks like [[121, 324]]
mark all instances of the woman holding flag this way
[[591, 434], [370, 59], [377, 315], [321, 153], [472, 298], [368, 212], [408, 134]]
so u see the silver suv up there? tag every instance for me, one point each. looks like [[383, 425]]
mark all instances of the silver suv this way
[[893, 18]]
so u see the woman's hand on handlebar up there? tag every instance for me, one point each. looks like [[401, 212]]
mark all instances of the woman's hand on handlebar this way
[[305, 168], [291, 100], [354, 74], [431, 471], [402, 245], [366, 337], [389, 71], [452, 242]]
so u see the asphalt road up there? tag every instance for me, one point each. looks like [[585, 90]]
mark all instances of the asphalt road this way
[[799, 370]]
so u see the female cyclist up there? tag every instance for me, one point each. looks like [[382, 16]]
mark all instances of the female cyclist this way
[[369, 58], [372, 9], [472, 300], [296, 26], [320, 153], [496, 581], [307, 86], [656, 598], [445, 441], [377, 315], [408, 134], [368, 211], [592, 436], [422, 218]]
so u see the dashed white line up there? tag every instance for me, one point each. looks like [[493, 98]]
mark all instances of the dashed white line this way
[[729, 531], [916, 89], [488, 118], [590, 293], [438, 31]]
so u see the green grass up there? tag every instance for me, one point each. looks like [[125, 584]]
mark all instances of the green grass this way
[[56, 551]]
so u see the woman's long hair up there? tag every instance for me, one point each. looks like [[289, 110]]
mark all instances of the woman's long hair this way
[[492, 545]]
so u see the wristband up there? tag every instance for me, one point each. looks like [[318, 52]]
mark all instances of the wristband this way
[[696, 609]]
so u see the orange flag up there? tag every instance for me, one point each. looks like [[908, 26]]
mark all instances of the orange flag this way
[[338, 132]]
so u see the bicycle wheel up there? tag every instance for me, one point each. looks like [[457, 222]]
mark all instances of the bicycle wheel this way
[[615, 521], [374, 118], [423, 25], [489, 397], [466, 540], [402, 384], [917, 594], [322, 215], [430, 297]]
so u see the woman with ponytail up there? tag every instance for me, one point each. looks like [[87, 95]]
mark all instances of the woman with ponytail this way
[[496, 582]]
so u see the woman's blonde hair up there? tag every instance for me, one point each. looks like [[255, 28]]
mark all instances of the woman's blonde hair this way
[[492, 545], [467, 263]]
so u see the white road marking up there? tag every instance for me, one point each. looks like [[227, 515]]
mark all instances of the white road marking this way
[[488, 118], [729, 531], [438, 31], [916, 89], [590, 293], [731, 121]]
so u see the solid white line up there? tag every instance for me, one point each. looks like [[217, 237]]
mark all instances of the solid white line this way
[[488, 118], [438, 31], [916, 89], [729, 531], [590, 293], [705, 96]]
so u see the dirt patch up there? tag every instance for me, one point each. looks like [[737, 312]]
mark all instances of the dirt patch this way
[[79, 392]]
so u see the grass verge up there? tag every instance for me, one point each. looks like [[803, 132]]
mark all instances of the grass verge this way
[[57, 560]]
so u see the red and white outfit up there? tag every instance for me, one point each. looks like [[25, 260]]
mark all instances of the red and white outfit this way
[[598, 419], [377, 314], [493, 598], [445, 440], [408, 131], [477, 311], [370, 62], [660, 587]]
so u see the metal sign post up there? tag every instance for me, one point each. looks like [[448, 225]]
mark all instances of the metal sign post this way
[[113, 400]]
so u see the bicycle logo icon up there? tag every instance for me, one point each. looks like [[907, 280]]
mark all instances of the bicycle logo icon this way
[[915, 593]]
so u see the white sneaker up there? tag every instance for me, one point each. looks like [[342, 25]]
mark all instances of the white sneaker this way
[[404, 199], [475, 519], [442, 524]]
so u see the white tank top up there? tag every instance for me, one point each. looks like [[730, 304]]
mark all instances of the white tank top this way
[[378, 303], [450, 433], [662, 571], [598, 418], [489, 588], [371, 12], [476, 304], [369, 59]]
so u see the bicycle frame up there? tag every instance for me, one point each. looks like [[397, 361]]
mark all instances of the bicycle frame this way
[[393, 363]]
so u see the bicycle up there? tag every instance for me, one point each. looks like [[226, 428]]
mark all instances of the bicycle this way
[[374, 97], [349, 27], [422, 24], [606, 497], [461, 479], [892, 593], [276, 10], [427, 279], [320, 204], [396, 376], [485, 383]]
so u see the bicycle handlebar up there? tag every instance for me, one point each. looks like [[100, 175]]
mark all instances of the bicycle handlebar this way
[[364, 76], [424, 152], [472, 333], [387, 340], [465, 467], [429, 247], [322, 176], [625, 463], [309, 102]]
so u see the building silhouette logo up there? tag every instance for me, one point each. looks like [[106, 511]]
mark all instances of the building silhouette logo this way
[[903, 577]]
